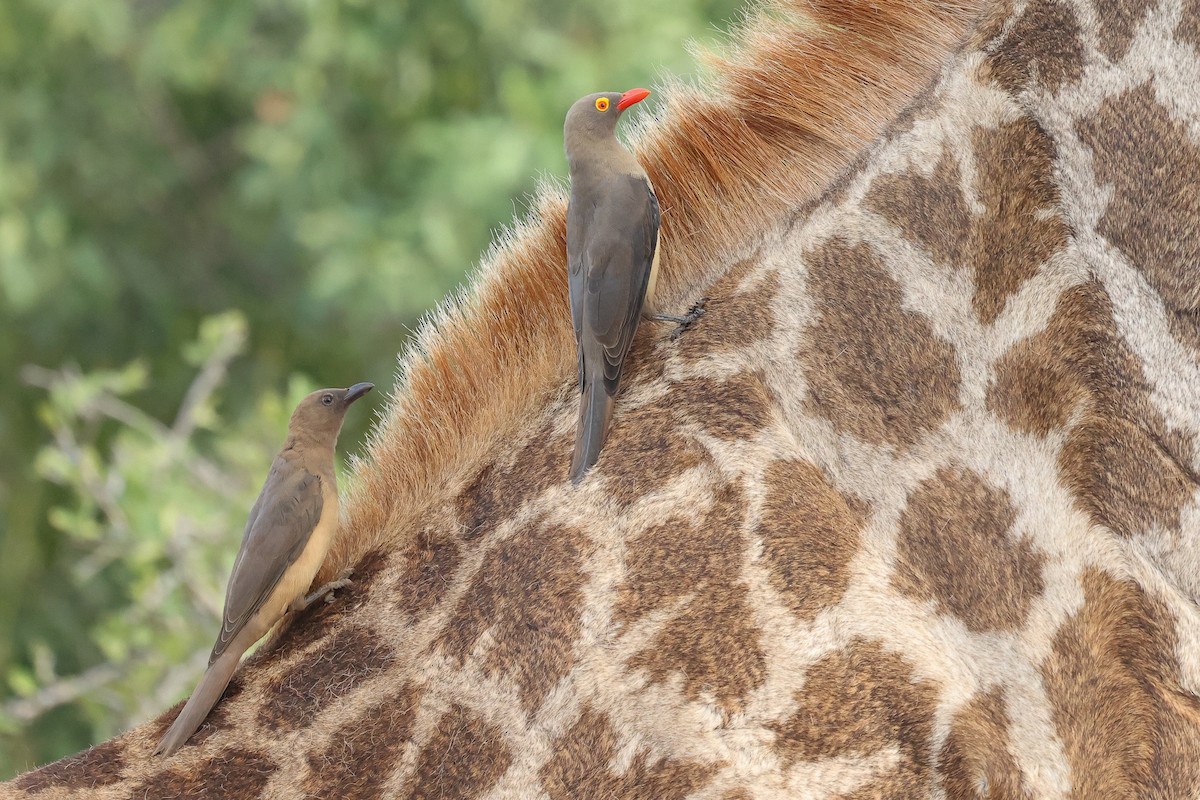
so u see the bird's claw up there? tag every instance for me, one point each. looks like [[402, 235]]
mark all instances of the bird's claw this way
[[686, 321], [328, 589], [682, 323]]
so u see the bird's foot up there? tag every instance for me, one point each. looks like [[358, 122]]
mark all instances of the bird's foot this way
[[326, 591], [684, 322]]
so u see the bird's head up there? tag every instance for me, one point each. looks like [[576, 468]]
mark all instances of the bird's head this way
[[319, 415], [595, 116]]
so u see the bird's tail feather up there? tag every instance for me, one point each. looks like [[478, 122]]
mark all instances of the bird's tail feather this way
[[595, 414], [194, 712]]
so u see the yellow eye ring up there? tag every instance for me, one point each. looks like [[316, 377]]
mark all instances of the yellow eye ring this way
[[602, 104]]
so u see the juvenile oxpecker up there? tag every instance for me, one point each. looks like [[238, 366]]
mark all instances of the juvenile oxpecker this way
[[287, 536]]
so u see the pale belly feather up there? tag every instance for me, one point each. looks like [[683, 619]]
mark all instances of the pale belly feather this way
[[648, 307], [299, 576]]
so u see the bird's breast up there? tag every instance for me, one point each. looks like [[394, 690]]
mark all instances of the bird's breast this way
[[648, 307], [296, 580]]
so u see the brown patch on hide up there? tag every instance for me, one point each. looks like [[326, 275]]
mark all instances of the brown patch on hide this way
[[1118, 23], [856, 701], [712, 642], [1125, 468], [429, 566], [463, 759], [528, 596], [582, 765], [1007, 244], [733, 320], [233, 773], [344, 661], [875, 370], [97, 766], [498, 491], [1112, 682], [1153, 166], [1188, 30], [809, 534], [976, 760], [646, 449], [363, 752], [1044, 44], [735, 409], [957, 548]]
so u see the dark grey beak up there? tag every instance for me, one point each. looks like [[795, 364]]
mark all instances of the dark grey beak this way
[[356, 391]]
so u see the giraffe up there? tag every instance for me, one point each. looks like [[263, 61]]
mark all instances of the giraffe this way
[[910, 512]]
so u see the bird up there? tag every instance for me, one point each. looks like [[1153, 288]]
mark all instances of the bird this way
[[287, 537], [612, 260]]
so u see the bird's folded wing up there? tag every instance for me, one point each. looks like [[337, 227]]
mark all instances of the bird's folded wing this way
[[280, 525], [620, 257]]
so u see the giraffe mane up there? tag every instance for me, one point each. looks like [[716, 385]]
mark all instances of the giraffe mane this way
[[496, 350]]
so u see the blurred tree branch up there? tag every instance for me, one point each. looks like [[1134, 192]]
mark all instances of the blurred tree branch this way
[[136, 512]]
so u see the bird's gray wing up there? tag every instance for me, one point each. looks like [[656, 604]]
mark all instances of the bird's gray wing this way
[[578, 214], [619, 256], [280, 524]]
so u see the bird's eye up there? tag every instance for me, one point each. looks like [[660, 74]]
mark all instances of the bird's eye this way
[[327, 399], [602, 104]]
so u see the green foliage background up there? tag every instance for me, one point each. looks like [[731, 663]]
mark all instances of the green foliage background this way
[[206, 210]]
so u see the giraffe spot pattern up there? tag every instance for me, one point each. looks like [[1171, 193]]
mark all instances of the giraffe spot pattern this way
[[809, 534], [528, 595], [732, 320], [645, 449], [1153, 166], [463, 759], [583, 766], [1039, 382], [1124, 467], [875, 371], [856, 701], [1009, 242], [1174, 771], [687, 555], [1188, 30], [96, 766], [497, 492], [1015, 235], [1118, 649], [713, 645], [236, 774], [348, 658], [712, 642], [1127, 727], [1043, 44], [975, 760], [957, 548], [363, 752], [1118, 23], [930, 210], [367, 569], [1123, 477], [734, 409], [429, 565]]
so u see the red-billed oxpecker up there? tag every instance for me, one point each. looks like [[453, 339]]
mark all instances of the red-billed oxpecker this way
[[287, 538], [612, 259]]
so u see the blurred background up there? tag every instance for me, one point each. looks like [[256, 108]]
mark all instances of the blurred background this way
[[207, 210]]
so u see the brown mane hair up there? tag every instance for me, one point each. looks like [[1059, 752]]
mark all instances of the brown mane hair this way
[[786, 111]]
